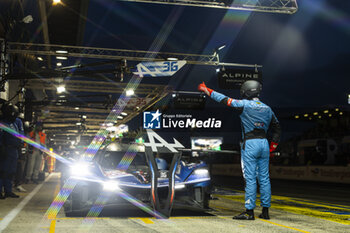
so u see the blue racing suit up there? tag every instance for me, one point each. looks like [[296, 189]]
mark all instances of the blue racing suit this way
[[256, 119], [9, 154]]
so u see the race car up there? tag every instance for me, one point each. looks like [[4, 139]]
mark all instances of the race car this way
[[129, 168]]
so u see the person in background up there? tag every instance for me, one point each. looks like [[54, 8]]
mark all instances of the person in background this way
[[51, 163], [256, 119], [9, 149], [22, 160], [35, 159]]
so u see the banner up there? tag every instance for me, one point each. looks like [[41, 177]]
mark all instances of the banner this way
[[158, 69], [230, 78], [188, 101], [135, 102]]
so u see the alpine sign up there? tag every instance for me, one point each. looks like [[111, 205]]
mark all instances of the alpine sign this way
[[158, 69]]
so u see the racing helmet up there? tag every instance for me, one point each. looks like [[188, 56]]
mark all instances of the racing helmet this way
[[10, 111], [27, 127], [250, 89]]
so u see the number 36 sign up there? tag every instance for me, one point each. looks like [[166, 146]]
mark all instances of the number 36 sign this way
[[158, 69]]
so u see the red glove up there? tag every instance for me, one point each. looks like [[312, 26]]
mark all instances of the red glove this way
[[273, 146], [205, 89]]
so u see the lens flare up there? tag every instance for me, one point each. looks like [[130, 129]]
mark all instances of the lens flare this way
[[140, 205], [103, 132], [33, 143], [127, 159], [61, 198], [96, 209]]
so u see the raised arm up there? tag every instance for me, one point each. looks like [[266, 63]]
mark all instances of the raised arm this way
[[275, 130], [238, 104]]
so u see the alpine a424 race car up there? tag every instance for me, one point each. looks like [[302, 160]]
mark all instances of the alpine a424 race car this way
[[139, 171]]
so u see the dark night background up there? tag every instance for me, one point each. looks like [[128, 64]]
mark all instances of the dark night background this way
[[305, 56]]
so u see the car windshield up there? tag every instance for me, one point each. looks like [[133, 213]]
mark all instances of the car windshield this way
[[111, 159]]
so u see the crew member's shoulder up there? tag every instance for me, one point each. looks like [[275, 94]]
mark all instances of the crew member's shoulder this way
[[256, 102]]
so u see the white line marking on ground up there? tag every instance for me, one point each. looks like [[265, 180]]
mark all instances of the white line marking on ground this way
[[13, 213]]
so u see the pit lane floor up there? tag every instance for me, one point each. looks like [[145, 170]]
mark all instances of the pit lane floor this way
[[288, 214]]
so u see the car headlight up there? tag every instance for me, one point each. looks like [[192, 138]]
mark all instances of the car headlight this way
[[80, 169], [180, 186], [201, 172], [111, 186]]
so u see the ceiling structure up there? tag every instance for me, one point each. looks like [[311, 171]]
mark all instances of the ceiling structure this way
[[62, 114], [81, 110], [117, 54], [84, 107], [271, 6], [91, 79]]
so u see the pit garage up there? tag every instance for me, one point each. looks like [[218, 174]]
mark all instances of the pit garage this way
[[105, 127]]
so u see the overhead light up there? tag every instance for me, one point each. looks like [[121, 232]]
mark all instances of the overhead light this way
[[119, 117], [40, 58], [172, 59], [59, 64], [56, 2], [62, 58], [315, 113], [130, 92], [337, 109], [78, 123], [61, 51], [330, 115], [217, 70], [319, 117], [306, 115], [173, 95], [325, 111], [84, 116], [109, 124], [62, 96], [221, 47], [124, 113], [76, 108], [341, 113], [296, 117], [61, 89]]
